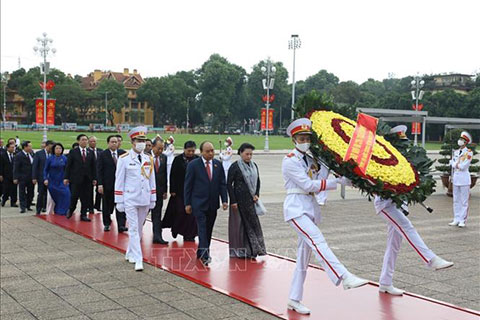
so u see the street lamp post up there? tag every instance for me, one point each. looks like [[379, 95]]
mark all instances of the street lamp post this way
[[417, 94], [268, 83], [43, 49], [106, 109], [5, 78], [294, 44]]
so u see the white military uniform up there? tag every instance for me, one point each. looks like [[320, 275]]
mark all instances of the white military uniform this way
[[398, 226], [226, 157], [302, 212], [135, 190], [461, 183], [170, 154], [322, 195]]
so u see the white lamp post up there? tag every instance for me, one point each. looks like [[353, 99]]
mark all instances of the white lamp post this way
[[417, 94], [5, 78], [268, 83], [294, 44], [43, 49]]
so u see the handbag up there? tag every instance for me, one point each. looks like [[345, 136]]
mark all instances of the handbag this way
[[260, 209]]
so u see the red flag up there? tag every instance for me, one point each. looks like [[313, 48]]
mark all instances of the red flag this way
[[360, 148]]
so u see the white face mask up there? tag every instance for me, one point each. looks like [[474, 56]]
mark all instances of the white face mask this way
[[140, 146], [460, 142], [303, 147]]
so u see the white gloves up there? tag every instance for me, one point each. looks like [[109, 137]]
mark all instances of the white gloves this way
[[121, 207], [152, 205], [344, 181]]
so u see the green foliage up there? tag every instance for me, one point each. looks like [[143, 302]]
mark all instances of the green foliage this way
[[116, 96]]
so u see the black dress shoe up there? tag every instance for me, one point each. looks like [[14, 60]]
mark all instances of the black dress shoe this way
[[69, 214], [174, 235], [29, 209], [44, 210], [3, 203], [122, 229], [83, 218], [106, 228], [14, 205], [160, 241], [22, 211]]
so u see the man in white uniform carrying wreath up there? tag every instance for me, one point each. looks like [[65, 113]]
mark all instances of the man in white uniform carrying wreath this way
[[135, 192], [302, 212]]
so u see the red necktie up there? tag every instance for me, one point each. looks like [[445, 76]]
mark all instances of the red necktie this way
[[209, 172], [83, 155], [156, 164]]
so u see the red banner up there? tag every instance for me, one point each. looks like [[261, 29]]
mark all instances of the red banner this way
[[361, 145], [417, 126], [50, 111], [263, 119]]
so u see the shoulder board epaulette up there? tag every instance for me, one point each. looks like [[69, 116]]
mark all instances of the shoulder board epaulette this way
[[124, 155], [291, 154]]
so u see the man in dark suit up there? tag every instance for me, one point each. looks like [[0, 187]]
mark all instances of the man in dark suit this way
[[37, 174], [22, 175], [204, 185], [160, 169], [106, 167], [97, 198], [6, 174], [80, 173]]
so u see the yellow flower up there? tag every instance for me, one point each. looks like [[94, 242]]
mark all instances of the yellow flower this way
[[387, 163]]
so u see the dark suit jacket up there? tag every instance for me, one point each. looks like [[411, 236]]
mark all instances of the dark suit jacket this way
[[99, 151], [6, 169], [76, 170], [106, 169], [201, 193], [22, 167], [38, 165], [161, 176]]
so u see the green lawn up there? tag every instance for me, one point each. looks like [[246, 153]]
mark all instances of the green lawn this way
[[67, 138]]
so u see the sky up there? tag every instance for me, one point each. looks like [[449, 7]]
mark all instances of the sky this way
[[355, 40]]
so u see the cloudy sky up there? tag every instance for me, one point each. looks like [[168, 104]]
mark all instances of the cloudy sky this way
[[356, 40]]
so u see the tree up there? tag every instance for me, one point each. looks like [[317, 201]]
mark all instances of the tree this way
[[116, 96], [322, 81], [220, 82], [70, 98]]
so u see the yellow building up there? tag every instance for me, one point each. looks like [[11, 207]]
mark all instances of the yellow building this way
[[136, 112], [15, 107], [460, 83]]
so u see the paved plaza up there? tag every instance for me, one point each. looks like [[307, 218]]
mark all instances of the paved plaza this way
[[49, 273]]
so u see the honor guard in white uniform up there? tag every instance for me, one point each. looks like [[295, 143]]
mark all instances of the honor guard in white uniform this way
[[135, 192], [461, 180], [170, 154], [399, 227], [302, 212], [226, 155]]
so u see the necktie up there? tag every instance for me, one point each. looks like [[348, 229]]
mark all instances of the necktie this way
[[114, 156], [83, 155], [11, 158], [156, 164], [209, 172], [140, 158], [305, 159]]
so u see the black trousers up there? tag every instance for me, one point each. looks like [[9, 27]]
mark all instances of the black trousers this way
[[25, 193], [108, 207], [98, 200], [83, 191], [41, 196], [157, 219], [9, 191], [205, 223]]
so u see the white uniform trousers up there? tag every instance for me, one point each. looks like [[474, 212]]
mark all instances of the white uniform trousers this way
[[311, 238], [461, 194], [399, 226], [135, 217]]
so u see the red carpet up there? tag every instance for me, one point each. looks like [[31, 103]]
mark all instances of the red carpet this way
[[265, 284]]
